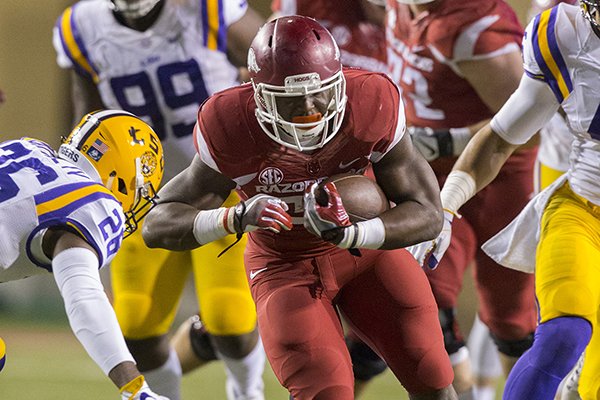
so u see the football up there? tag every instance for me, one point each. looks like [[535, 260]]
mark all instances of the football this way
[[362, 197]]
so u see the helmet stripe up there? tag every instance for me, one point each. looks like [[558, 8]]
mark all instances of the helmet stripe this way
[[90, 125]]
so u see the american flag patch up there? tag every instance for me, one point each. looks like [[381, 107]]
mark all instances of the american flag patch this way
[[97, 150], [100, 146]]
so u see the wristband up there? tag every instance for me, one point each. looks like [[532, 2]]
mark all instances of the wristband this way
[[458, 189], [211, 225], [368, 234]]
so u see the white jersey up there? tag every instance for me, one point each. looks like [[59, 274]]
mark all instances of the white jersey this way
[[38, 191], [561, 49], [163, 74]]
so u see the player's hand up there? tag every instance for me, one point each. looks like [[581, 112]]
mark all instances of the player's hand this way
[[426, 141], [326, 221], [428, 254], [138, 389], [261, 212]]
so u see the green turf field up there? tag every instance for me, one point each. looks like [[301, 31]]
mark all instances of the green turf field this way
[[47, 363]]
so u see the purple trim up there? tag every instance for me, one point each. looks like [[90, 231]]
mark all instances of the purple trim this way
[[555, 51], [71, 207], [204, 8], [62, 222], [222, 34], [58, 191]]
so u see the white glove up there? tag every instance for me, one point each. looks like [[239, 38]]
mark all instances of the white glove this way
[[428, 254], [260, 212], [138, 389], [433, 144]]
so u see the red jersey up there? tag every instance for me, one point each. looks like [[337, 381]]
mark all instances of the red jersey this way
[[423, 53], [230, 140], [361, 43]]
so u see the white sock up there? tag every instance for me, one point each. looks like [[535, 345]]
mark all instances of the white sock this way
[[485, 361], [484, 392], [244, 376], [166, 379]]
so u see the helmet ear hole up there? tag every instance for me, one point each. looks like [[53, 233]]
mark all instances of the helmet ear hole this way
[[122, 187]]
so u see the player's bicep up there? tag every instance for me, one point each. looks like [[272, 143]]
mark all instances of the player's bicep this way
[[404, 175], [494, 79], [198, 185], [85, 96], [240, 35]]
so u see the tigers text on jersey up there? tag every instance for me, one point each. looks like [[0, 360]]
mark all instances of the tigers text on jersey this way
[[39, 190], [561, 49], [163, 74], [230, 140], [362, 43], [424, 52]]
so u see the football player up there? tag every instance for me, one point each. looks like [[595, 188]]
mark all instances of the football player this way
[[356, 26], [556, 235], [67, 213], [161, 59], [301, 119], [457, 63]]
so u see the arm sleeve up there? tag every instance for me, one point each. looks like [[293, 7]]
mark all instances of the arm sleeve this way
[[90, 314], [527, 110]]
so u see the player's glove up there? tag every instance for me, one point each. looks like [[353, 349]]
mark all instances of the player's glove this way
[[428, 254], [330, 221], [260, 212], [138, 389], [433, 144]]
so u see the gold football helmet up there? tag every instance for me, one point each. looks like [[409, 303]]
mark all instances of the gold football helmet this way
[[123, 153]]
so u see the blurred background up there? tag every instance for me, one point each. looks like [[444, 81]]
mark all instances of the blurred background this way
[[32, 320]]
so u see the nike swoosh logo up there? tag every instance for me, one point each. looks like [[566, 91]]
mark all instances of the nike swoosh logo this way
[[346, 165], [254, 273]]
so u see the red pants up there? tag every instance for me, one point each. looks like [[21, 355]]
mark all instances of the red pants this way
[[383, 295]]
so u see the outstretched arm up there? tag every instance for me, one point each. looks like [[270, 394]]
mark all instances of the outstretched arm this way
[[170, 224], [187, 215], [527, 110], [91, 316]]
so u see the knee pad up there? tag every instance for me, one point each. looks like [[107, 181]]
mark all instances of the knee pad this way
[[572, 298], [228, 311], [513, 348], [200, 340], [453, 340], [366, 364], [132, 311]]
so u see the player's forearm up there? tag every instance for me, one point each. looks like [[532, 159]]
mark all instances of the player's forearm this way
[[411, 222], [170, 226], [479, 164]]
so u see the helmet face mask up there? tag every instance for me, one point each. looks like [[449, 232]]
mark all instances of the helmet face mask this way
[[275, 110], [121, 152], [299, 86], [133, 9]]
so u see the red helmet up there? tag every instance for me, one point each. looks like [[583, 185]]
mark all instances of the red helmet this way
[[295, 57]]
